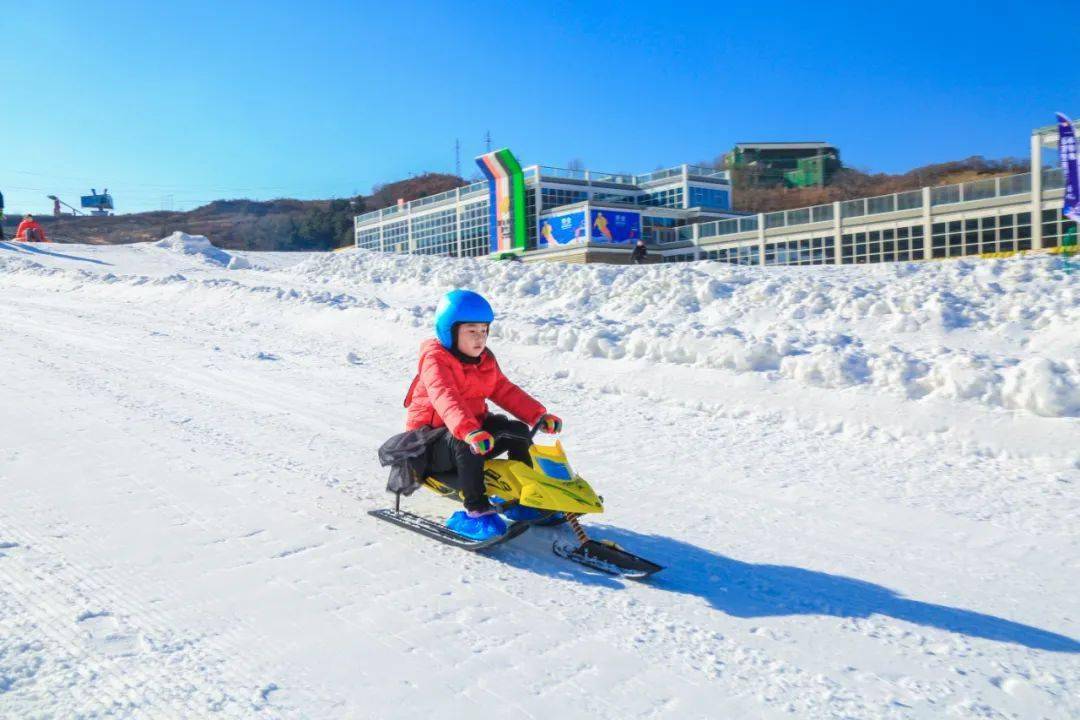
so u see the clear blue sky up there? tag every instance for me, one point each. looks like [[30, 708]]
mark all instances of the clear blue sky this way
[[201, 100]]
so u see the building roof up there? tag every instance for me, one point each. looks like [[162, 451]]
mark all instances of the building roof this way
[[782, 145]]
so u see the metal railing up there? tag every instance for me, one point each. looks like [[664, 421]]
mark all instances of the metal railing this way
[[774, 219], [433, 199], [442, 197], [982, 189], [909, 200], [799, 216], [616, 178], [658, 175], [627, 178], [1053, 179], [707, 172], [945, 195], [563, 173]]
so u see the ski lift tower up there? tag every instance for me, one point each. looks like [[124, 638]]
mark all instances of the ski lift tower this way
[[98, 204]]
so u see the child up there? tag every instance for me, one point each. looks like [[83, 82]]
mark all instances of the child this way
[[457, 376], [30, 230]]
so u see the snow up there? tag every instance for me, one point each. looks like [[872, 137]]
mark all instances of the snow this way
[[862, 482], [914, 330], [181, 242]]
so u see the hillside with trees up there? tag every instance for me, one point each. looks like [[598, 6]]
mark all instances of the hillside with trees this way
[[245, 224]]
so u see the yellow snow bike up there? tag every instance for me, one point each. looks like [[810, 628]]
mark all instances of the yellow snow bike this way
[[546, 492]]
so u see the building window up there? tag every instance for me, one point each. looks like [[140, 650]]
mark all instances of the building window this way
[[556, 197], [369, 238], [743, 255], [671, 198], [658, 230], [1054, 228], [706, 197], [436, 233], [475, 232], [981, 236], [396, 236], [629, 199], [530, 219], [888, 245], [1023, 231], [808, 251]]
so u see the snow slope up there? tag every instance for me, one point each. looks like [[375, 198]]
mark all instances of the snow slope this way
[[862, 481]]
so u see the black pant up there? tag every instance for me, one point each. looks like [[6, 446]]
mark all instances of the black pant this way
[[448, 454]]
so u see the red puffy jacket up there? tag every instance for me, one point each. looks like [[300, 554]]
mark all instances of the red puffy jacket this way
[[25, 225], [449, 392]]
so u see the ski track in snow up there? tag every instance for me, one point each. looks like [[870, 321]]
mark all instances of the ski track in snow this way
[[188, 457]]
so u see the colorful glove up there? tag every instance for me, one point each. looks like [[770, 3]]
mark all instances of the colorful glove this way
[[480, 441], [551, 424]]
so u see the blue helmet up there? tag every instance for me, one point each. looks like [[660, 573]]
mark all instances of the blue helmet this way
[[460, 306]]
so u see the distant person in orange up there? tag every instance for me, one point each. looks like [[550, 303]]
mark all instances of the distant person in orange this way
[[30, 230]]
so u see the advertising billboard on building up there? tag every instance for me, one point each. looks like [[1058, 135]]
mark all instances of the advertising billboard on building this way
[[615, 226], [564, 229]]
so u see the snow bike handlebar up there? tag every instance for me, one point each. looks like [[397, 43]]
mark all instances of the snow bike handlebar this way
[[510, 435]]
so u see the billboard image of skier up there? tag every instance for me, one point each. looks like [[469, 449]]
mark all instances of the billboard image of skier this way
[[615, 226], [561, 229]]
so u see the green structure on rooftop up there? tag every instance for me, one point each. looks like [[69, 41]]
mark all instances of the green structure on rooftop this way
[[790, 164]]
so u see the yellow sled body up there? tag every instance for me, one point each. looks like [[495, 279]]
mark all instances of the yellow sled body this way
[[550, 484]]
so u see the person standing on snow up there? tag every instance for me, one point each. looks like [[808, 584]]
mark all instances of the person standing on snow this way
[[30, 230], [640, 252], [1, 216], [457, 375]]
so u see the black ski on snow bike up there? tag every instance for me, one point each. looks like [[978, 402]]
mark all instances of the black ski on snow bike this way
[[548, 485], [438, 531]]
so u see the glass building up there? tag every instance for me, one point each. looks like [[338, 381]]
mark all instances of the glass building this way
[[684, 214], [652, 206]]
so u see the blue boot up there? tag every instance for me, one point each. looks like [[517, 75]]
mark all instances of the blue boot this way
[[517, 513], [521, 513], [483, 527]]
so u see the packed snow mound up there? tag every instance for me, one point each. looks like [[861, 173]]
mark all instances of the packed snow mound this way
[[181, 242], [1003, 333]]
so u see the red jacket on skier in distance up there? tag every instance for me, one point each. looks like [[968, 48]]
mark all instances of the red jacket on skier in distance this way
[[449, 392], [30, 224]]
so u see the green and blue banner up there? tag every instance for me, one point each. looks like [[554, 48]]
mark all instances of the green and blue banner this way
[[506, 195]]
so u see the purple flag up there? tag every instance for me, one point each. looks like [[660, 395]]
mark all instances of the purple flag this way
[[1067, 158]]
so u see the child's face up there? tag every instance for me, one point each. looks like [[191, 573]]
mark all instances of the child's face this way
[[472, 338]]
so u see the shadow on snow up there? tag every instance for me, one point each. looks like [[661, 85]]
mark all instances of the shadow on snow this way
[[749, 590], [22, 248]]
